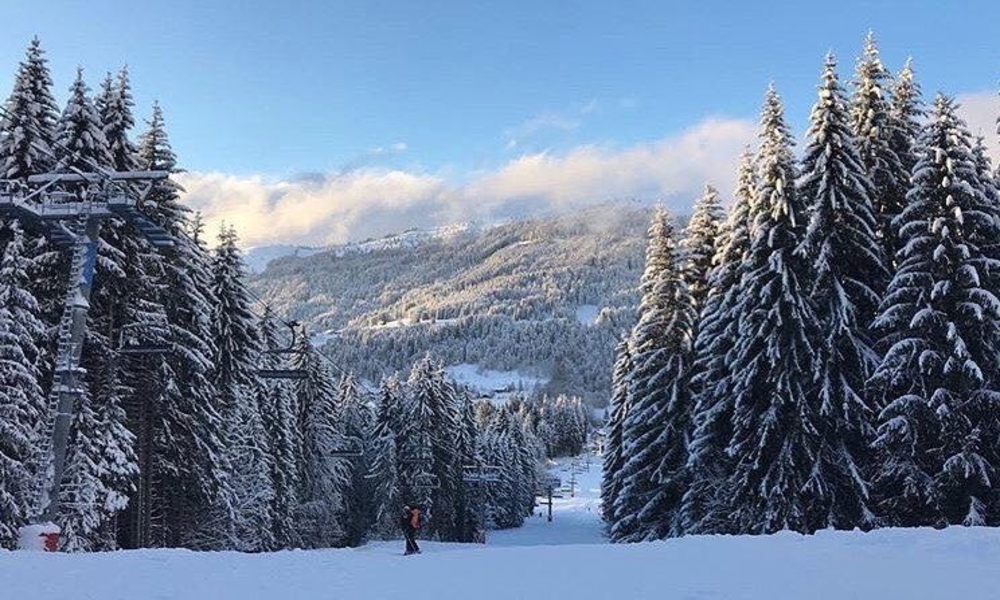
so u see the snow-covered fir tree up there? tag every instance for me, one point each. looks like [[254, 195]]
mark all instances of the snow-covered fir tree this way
[[908, 116], [127, 303], [701, 238], [524, 463], [323, 477], [22, 402], [278, 413], [703, 507], [562, 425], [80, 141], [874, 128], [774, 422], [382, 466], [989, 185], [940, 329], [356, 420], [430, 469], [27, 138], [614, 453], [28, 129], [237, 353], [849, 275], [507, 498], [115, 106], [191, 466], [469, 497], [655, 431]]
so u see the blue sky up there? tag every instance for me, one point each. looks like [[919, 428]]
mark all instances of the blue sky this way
[[456, 92]]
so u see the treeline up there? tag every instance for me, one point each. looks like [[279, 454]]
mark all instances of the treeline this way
[[828, 355], [194, 447], [561, 423]]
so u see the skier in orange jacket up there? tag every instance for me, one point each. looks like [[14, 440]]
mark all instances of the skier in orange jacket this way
[[410, 523]]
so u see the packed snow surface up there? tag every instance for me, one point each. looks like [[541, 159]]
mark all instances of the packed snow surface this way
[[563, 559], [586, 314]]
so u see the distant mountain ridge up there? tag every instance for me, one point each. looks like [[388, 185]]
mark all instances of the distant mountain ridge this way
[[546, 298], [259, 257]]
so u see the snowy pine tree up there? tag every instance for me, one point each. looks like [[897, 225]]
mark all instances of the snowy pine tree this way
[[383, 474], [842, 245], [429, 457], [28, 129], [323, 478], [80, 141], [655, 432], [278, 412], [237, 350], [774, 437], [115, 106], [22, 402], [703, 509], [908, 116], [354, 414], [940, 330], [874, 128], [507, 450], [614, 452], [701, 239], [191, 466]]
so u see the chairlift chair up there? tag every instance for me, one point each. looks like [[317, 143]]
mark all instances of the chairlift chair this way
[[481, 474], [426, 481], [289, 349], [139, 347], [353, 448]]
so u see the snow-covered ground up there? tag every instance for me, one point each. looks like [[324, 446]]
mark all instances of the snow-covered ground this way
[[576, 518], [408, 322], [563, 559], [586, 314], [320, 339], [498, 385]]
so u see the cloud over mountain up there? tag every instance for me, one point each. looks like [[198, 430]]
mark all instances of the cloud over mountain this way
[[371, 202]]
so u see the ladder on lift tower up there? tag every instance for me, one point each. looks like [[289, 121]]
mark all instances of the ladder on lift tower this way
[[66, 376], [75, 223]]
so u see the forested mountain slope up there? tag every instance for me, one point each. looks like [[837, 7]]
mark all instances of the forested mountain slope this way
[[544, 297]]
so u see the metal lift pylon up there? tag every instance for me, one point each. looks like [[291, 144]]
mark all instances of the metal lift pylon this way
[[75, 224]]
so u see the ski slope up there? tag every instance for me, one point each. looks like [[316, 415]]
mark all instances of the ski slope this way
[[566, 558]]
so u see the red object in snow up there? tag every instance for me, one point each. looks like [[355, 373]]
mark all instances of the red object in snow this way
[[51, 541]]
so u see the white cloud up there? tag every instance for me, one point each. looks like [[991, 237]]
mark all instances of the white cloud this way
[[538, 123], [980, 110], [569, 119], [374, 202], [395, 147]]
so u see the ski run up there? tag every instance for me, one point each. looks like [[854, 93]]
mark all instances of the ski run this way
[[567, 558]]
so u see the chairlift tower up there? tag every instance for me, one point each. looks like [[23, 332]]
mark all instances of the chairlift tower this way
[[73, 221], [480, 477]]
